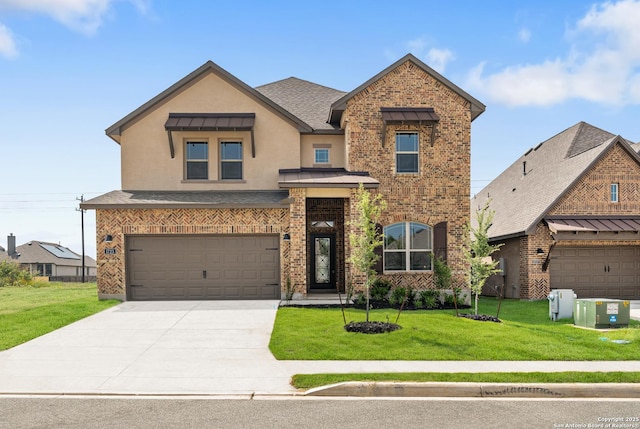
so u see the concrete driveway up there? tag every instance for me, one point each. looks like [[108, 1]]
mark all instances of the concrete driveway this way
[[208, 347], [200, 348]]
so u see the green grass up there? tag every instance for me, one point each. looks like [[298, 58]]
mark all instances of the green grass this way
[[31, 311], [525, 334], [308, 381]]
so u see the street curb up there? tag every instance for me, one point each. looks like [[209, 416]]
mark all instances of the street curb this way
[[479, 390]]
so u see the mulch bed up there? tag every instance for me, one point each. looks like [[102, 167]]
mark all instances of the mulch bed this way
[[481, 317], [371, 327]]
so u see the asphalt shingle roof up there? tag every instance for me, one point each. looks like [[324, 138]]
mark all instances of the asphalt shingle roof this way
[[306, 100], [520, 200], [188, 199], [33, 253]]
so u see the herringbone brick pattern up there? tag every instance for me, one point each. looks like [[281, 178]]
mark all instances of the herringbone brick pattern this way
[[121, 222]]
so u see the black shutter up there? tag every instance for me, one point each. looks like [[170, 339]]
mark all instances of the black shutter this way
[[440, 240], [378, 251]]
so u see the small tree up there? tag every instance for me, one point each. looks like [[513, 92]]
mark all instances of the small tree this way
[[11, 274], [478, 251], [366, 238]]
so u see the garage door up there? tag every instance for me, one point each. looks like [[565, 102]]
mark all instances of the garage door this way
[[597, 272], [203, 267]]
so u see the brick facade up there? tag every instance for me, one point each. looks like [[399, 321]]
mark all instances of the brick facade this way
[[119, 223], [440, 191], [438, 194], [589, 196]]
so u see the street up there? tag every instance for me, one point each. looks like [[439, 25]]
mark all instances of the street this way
[[296, 412]]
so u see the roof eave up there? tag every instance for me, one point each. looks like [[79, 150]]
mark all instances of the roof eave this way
[[338, 107], [112, 206], [117, 128], [614, 140]]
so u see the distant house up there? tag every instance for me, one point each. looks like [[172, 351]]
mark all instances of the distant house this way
[[51, 260], [568, 213]]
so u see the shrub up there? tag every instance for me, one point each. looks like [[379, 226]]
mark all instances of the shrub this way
[[11, 274], [399, 294], [380, 289], [442, 274], [360, 300], [427, 299]]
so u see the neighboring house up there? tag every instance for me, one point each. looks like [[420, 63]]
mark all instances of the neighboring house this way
[[568, 213], [49, 260], [233, 192]]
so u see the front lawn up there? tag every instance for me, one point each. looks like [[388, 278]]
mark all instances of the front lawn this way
[[525, 334], [31, 311], [308, 381]]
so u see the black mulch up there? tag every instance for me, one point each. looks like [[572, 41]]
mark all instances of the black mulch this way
[[481, 317], [371, 327]]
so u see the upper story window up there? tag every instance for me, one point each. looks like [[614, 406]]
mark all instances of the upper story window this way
[[614, 193], [231, 160], [321, 156], [408, 246], [197, 160], [406, 152]]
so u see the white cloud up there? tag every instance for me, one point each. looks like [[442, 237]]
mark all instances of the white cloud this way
[[607, 71], [438, 58], [7, 44], [524, 35], [82, 15]]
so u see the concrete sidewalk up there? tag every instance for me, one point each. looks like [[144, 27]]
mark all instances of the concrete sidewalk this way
[[198, 348]]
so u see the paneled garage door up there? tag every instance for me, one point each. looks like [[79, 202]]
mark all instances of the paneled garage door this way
[[203, 267], [597, 272]]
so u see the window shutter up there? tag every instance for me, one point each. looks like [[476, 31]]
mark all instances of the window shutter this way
[[440, 240], [378, 251]]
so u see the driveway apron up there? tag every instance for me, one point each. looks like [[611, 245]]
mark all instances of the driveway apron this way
[[187, 347]]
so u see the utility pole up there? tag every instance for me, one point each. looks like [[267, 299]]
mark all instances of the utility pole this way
[[81, 199]]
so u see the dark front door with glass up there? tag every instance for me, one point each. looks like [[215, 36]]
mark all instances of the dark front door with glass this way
[[323, 261]]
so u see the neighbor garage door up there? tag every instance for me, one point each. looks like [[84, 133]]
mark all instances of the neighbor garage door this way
[[203, 267], [597, 272]]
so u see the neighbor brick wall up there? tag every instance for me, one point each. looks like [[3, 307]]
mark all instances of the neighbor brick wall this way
[[122, 222], [590, 195], [440, 192], [534, 281]]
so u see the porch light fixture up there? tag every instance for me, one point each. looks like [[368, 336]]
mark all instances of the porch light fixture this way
[[540, 251], [108, 238], [286, 237]]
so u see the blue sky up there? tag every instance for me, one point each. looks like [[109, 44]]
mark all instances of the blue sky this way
[[71, 68]]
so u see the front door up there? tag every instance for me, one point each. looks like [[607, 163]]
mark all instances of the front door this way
[[323, 261]]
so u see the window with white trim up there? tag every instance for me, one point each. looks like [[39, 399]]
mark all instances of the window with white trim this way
[[407, 152], [408, 246], [230, 160], [614, 193], [321, 156], [197, 160]]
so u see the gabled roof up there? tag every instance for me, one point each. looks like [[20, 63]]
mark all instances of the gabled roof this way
[[306, 100], [521, 200], [115, 130], [42, 252], [338, 107]]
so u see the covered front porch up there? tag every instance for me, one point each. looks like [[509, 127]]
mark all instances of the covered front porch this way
[[320, 215]]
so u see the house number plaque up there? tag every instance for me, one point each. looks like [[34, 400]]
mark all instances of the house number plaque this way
[[110, 251]]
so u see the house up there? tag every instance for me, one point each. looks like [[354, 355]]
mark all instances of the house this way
[[568, 214], [234, 192], [52, 260]]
